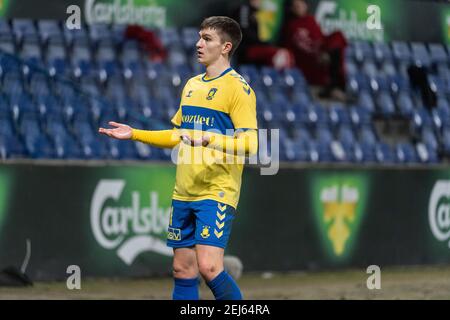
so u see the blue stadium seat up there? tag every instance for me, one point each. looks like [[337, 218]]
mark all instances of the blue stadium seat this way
[[388, 68], [401, 51], [130, 59], [368, 152], [428, 137], [5, 28], [384, 153], [421, 118], [39, 85], [72, 36], [99, 32], [6, 127], [48, 106], [385, 104], [301, 97], [23, 27], [366, 102], [13, 84], [346, 136], [351, 67], [362, 51], [293, 77], [317, 116], [367, 135], [426, 154], [405, 104], [382, 51], [369, 68], [441, 118], [49, 29], [177, 56], [438, 53], [190, 37], [420, 54], [339, 115], [360, 116], [357, 83], [399, 82], [7, 44], [169, 37], [22, 105], [251, 74], [406, 153]]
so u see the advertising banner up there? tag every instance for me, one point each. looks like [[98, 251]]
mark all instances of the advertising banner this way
[[111, 220], [374, 20], [404, 20]]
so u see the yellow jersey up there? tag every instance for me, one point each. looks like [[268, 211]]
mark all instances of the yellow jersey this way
[[221, 104]]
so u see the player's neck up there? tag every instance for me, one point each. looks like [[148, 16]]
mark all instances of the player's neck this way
[[215, 69]]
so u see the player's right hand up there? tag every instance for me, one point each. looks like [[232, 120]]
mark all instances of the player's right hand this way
[[121, 131]]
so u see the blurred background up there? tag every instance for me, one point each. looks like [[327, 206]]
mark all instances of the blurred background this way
[[359, 91]]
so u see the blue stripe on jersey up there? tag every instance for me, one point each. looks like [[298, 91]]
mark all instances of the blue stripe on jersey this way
[[205, 118]]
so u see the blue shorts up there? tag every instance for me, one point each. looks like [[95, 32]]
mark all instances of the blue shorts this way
[[205, 222]]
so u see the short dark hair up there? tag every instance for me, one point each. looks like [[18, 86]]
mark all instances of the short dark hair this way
[[227, 28]]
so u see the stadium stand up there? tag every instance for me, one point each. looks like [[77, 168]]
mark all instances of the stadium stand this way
[[58, 86]]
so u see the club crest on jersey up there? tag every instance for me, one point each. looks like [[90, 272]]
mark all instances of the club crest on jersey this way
[[211, 93], [205, 232]]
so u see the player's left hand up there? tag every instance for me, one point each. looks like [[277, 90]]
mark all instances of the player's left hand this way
[[203, 141]]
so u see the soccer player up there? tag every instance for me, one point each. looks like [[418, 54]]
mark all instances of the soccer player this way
[[206, 192]]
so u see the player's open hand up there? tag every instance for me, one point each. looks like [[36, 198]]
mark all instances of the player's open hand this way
[[121, 131], [203, 141]]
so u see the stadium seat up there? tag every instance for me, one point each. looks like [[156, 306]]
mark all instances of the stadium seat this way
[[426, 154], [190, 37], [169, 37], [405, 153], [385, 104], [384, 153], [420, 54], [366, 102], [22, 28], [367, 135], [438, 53], [49, 29], [382, 52], [362, 51], [7, 44], [401, 51], [405, 104]]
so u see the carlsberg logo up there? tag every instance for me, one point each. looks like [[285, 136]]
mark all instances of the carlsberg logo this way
[[439, 210], [130, 230], [125, 12]]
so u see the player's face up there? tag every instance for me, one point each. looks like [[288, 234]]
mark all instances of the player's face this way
[[209, 46]]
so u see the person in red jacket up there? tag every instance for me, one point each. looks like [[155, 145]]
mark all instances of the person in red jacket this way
[[319, 56]]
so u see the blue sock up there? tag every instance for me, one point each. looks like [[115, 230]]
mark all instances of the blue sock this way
[[224, 287], [185, 289]]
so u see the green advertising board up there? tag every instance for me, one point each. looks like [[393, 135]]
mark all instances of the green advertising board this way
[[339, 203], [111, 220], [399, 19], [3, 7]]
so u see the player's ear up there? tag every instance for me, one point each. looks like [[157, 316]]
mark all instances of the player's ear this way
[[227, 48]]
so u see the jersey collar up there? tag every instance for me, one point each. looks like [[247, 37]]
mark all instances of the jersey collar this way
[[221, 75]]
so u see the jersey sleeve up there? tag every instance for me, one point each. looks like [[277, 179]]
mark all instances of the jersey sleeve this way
[[243, 107], [176, 119]]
